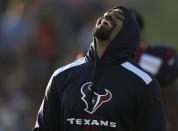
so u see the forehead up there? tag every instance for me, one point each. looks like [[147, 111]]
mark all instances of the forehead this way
[[117, 10]]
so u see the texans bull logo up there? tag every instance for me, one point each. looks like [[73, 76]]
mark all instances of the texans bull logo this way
[[97, 100]]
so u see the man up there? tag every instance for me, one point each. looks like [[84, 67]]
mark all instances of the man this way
[[106, 90], [162, 62]]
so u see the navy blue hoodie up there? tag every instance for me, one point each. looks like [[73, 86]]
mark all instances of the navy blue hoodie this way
[[108, 94]]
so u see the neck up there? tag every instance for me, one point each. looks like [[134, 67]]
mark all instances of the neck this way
[[101, 47]]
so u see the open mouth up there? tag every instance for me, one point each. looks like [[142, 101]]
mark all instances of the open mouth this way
[[106, 22]]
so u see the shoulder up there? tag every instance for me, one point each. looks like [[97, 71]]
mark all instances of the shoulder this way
[[146, 85], [69, 66], [59, 76], [137, 73]]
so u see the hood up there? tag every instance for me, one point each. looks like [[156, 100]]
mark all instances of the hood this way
[[123, 46]]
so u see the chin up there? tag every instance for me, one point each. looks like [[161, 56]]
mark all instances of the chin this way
[[102, 33]]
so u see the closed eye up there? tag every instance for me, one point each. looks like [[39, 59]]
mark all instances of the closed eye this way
[[118, 17]]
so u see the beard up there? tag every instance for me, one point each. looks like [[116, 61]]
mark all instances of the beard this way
[[101, 33]]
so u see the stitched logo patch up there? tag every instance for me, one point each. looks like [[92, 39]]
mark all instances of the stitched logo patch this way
[[92, 99]]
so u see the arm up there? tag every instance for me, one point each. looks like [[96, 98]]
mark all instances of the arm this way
[[169, 69], [150, 113], [48, 115]]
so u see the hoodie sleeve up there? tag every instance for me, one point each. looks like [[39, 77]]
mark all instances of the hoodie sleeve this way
[[48, 115], [150, 112]]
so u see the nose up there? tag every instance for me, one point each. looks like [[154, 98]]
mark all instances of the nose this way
[[108, 15]]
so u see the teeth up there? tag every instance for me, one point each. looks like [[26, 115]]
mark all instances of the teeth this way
[[108, 22]]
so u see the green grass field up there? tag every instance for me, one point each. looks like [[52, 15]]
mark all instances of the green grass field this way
[[162, 24]]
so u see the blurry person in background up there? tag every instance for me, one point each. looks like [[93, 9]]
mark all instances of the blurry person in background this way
[[161, 60], [106, 90], [158, 59], [20, 76]]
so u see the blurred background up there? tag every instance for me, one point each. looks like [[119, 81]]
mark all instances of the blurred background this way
[[39, 36]]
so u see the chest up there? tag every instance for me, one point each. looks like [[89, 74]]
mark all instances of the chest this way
[[110, 94]]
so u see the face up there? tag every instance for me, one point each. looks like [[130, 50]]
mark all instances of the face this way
[[109, 25]]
